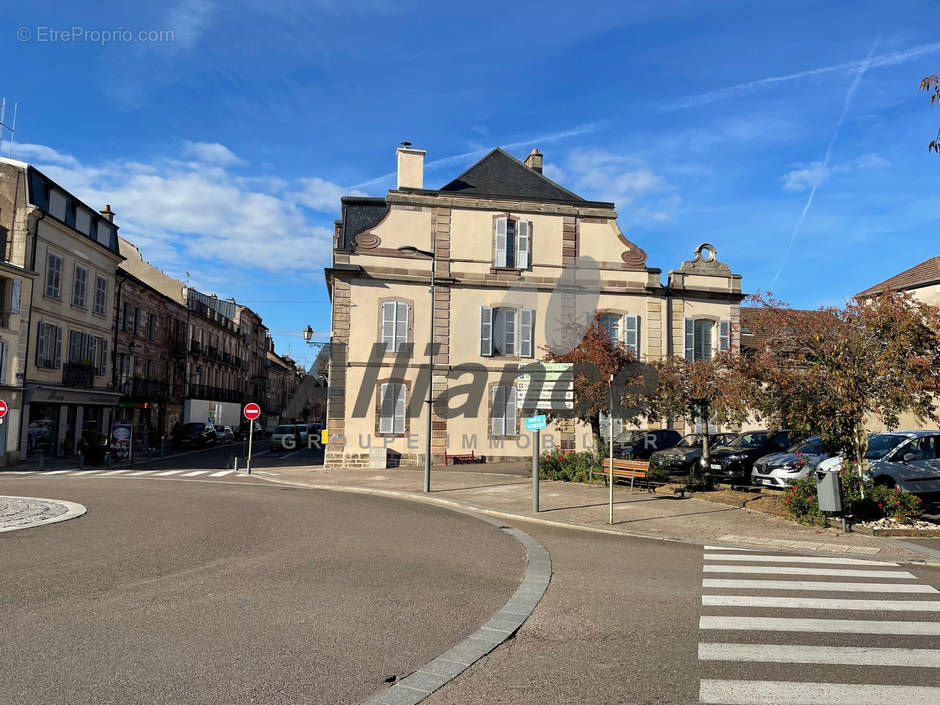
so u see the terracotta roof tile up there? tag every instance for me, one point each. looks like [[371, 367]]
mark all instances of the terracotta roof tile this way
[[926, 272]]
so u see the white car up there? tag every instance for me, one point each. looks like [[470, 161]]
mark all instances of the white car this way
[[907, 460], [782, 469]]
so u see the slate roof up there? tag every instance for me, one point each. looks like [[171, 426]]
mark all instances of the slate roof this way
[[360, 213], [923, 274], [502, 175]]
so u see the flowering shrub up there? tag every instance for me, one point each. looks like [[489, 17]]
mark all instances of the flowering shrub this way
[[571, 467], [893, 503], [801, 502], [878, 501]]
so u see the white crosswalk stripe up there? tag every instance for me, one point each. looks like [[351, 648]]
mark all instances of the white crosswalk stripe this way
[[223, 473], [125, 473], [194, 474], [165, 473], [56, 472], [900, 655]]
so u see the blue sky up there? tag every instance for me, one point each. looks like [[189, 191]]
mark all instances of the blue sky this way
[[224, 151]]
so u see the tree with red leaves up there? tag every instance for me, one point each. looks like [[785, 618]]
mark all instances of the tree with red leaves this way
[[824, 372]]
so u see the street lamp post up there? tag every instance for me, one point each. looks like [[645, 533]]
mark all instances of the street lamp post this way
[[429, 400]]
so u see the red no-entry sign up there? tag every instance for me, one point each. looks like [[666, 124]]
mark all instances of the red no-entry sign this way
[[252, 411], [3, 408]]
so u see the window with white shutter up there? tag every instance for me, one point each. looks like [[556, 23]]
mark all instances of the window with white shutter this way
[[394, 324], [502, 228], [698, 339], [3, 362], [392, 405], [610, 324], [53, 275], [524, 243], [724, 336], [631, 334], [689, 339], [16, 296], [101, 295], [79, 287], [504, 331], [503, 411], [486, 331], [526, 332]]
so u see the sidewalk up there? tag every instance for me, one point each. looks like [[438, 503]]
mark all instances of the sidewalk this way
[[585, 507]]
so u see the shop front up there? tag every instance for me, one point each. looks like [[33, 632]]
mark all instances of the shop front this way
[[57, 418]]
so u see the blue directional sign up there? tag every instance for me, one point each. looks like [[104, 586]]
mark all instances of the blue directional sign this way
[[535, 423]]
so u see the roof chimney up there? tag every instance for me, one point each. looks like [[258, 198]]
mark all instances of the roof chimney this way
[[534, 161], [107, 212], [410, 166]]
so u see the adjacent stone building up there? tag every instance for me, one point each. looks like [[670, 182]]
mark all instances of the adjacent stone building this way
[[517, 261]]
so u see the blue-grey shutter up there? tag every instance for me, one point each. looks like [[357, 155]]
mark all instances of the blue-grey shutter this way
[[57, 360], [724, 335], [631, 334], [41, 344], [689, 339], [523, 240], [526, 332], [388, 325], [501, 229], [510, 339], [486, 331], [401, 324], [510, 415], [399, 426], [16, 296], [386, 410]]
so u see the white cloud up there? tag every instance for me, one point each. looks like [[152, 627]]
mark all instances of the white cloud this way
[[187, 216], [189, 20], [872, 160], [40, 152], [806, 177], [211, 153], [321, 195]]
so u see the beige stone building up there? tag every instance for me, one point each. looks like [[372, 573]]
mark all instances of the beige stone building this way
[[515, 255], [64, 349]]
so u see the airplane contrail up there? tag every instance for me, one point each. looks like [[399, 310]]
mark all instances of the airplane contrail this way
[[898, 57], [864, 65]]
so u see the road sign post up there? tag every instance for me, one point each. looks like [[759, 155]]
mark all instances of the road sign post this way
[[535, 423], [252, 412]]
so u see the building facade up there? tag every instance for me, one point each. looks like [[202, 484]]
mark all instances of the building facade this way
[[72, 251], [283, 381], [520, 266]]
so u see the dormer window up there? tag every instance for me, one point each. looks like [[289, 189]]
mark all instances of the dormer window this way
[[513, 243]]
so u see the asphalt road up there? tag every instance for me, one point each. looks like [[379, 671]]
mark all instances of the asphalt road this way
[[194, 591]]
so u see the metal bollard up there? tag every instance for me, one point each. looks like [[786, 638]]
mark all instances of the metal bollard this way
[[148, 453], [162, 446], [107, 459], [236, 463], [231, 461]]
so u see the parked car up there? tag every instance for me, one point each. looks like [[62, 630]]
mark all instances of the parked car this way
[[679, 459], [196, 435], [907, 460], [224, 434], [286, 437], [242, 433], [733, 462], [640, 445], [784, 468]]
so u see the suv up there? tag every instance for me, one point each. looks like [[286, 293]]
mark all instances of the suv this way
[[734, 462], [197, 434], [680, 459], [907, 460], [640, 445]]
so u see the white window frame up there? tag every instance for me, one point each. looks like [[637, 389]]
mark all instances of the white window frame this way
[[520, 335], [616, 320], [394, 329], [392, 413], [48, 346]]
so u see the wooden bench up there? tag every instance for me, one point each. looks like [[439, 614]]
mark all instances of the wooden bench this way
[[468, 458], [632, 470]]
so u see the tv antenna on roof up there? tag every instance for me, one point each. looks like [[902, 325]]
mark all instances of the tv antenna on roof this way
[[11, 128]]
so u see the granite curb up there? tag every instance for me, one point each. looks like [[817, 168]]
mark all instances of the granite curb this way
[[29, 512]]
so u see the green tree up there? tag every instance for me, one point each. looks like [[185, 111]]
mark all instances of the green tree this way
[[825, 372], [715, 390], [931, 85]]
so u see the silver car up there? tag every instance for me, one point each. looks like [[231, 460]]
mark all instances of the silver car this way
[[782, 469], [907, 460]]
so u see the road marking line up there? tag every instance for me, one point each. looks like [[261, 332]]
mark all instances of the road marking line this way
[[135, 473], [787, 570], [841, 655], [720, 692], [815, 603], [56, 472], [193, 474], [17, 472], [223, 473], [113, 472], [167, 472], [85, 472], [809, 585], [796, 559], [830, 626], [727, 548]]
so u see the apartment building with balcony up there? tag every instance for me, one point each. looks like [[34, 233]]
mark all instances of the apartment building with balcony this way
[[514, 258], [71, 252]]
